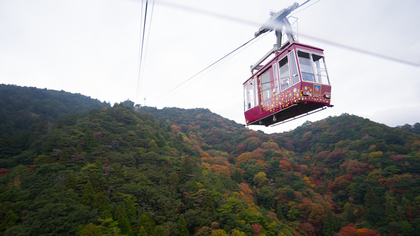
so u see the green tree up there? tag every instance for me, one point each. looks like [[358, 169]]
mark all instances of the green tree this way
[[153, 147], [100, 201], [173, 179], [279, 212], [143, 232], [238, 233], [232, 205], [186, 168], [124, 225], [71, 181], [91, 230], [237, 176], [109, 227], [88, 194], [260, 178], [350, 216], [159, 231], [88, 139], [131, 209], [374, 211], [43, 159], [128, 103], [146, 221], [9, 220], [389, 171], [120, 213], [219, 232], [182, 226], [208, 203], [391, 214], [106, 214], [331, 224], [293, 213]]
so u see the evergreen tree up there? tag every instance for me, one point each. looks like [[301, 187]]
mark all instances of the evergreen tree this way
[[100, 201], [124, 225], [120, 213], [88, 194], [350, 217], [374, 211], [331, 224], [186, 168], [9, 220], [208, 203], [173, 179], [182, 226], [236, 232], [65, 155], [91, 230], [79, 149], [237, 176], [109, 227], [391, 214], [88, 139], [71, 181], [131, 209], [106, 214], [142, 232], [159, 231], [279, 212], [146, 221], [293, 213]]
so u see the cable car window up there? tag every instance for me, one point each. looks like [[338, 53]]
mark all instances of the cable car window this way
[[284, 74], [293, 68], [266, 85], [249, 95], [276, 78], [320, 69], [306, 68]]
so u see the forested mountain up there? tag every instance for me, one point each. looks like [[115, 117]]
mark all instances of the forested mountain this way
[[171, 171], [21, 107]]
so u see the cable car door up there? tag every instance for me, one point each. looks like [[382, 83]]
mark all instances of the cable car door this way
[[266, 90]]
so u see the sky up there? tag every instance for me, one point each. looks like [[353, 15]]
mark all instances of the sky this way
[[92, 47]]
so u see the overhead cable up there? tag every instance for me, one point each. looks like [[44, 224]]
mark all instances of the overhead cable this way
[[147, 43], [411, 63], [142, 39], [201, 71]]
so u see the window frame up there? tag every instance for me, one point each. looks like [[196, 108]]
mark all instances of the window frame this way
[[282, 88], [260, 78], [314, 70], [250, 103]]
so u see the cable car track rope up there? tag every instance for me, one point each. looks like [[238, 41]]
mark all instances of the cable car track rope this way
[[142, 42]]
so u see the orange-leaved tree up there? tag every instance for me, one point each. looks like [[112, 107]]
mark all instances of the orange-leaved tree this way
[[244, 157], [317, 214], [348, 231]]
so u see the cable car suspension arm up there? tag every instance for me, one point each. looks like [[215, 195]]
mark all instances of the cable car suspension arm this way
[[277, 21]]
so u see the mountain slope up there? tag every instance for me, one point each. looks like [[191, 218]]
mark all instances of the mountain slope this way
[[21, 107], [117, 171]]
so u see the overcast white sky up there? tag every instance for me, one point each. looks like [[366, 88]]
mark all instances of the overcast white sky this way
[[92, 47]]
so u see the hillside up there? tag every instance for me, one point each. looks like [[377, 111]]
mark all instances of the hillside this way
[[117, 171], [22, 107]]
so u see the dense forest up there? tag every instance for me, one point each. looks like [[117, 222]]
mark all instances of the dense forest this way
[[71, 165], [23, 107]]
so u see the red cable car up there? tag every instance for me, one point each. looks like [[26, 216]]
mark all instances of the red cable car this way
[[293, 84]]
